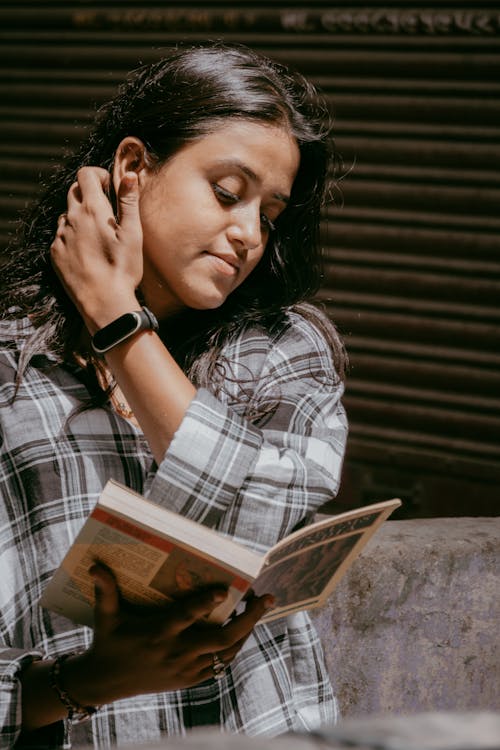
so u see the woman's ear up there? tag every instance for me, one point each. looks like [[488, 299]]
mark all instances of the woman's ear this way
[[130, 156]]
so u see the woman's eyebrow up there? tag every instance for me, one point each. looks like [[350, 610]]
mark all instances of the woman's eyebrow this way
[[242, 167]]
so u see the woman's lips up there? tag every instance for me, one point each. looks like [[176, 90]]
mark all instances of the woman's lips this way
[[225, 264]]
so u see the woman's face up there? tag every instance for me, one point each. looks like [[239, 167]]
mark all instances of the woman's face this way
[[208, 212]]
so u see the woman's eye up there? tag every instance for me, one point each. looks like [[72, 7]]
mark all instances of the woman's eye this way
[[267, 224], [225, 196], [228, 198]]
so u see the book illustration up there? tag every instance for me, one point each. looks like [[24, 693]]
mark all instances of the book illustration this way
[[321, 532], [304, 577]]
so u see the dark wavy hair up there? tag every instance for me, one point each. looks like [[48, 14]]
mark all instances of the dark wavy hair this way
[[167, 104]]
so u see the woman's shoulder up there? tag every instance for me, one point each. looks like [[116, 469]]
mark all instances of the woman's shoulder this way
[[292, 356], [302, 342], [309, 325], [300, 329]]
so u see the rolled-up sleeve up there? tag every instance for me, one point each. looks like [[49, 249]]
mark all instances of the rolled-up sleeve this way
[[12, 662], [257, 478]]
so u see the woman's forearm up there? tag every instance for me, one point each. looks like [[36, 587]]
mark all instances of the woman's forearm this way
[[154, 385]]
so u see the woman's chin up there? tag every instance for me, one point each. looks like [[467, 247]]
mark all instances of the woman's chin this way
[[210, 301]]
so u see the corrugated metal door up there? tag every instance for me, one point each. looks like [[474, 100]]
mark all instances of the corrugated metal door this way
[[413, 271]]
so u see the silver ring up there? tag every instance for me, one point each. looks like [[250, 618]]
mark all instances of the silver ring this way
[[218, 667]]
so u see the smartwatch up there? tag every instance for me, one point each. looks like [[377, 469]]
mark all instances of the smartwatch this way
[[123, 328]]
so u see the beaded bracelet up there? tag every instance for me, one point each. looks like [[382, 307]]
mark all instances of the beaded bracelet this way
[[76, 712]]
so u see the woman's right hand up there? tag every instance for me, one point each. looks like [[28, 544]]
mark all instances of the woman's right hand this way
[[137, 651], [97, 258]]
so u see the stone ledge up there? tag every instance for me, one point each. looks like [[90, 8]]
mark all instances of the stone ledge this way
[[428, 731], [414, 625]]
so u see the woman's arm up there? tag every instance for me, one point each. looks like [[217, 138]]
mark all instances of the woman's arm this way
[[256, 480], [100, 264]]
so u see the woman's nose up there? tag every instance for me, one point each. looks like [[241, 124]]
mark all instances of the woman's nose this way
[[245, 232]]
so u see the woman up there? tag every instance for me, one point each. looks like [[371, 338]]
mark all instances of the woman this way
[[195, 203]]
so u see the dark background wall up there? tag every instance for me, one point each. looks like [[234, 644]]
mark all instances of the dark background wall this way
[[413, 254]]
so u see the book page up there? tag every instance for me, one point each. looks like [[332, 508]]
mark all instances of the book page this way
[[319, 533], [149, 569], [123, 502], [299, 581], [303, 570]]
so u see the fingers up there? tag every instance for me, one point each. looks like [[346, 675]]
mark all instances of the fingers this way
[[185, 612], [228, 640], [238, 630], [62, 222], [93, 179], [222, 645], [74, 196], [242, 625], [128, 204], [107, 597], [91, 185]]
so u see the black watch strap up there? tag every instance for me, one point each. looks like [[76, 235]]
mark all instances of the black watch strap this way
[[123, 328]]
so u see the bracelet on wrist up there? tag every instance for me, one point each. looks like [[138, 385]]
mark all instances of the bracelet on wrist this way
[[76, 712], [123, 328]]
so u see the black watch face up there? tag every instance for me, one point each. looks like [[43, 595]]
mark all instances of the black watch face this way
[[116, 331]]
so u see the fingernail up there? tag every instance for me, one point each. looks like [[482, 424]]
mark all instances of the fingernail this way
[[219, 596], [269, 601], [130, 179], [93, 573]]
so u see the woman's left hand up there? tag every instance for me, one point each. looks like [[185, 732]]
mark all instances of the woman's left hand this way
[[99, 259]]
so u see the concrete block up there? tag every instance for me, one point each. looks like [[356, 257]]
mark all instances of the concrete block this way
[[479, 730], [414, 624]]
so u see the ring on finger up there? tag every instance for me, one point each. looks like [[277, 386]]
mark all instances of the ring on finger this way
[[218, 667]]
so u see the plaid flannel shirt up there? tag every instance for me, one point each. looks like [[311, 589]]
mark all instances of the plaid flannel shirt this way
[[254, 479]]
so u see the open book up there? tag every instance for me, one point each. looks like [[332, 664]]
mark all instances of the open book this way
[[157, 555]]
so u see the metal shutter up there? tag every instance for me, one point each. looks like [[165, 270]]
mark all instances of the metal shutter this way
[[413, 271]]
